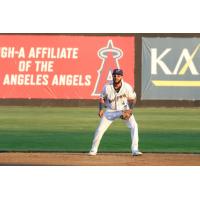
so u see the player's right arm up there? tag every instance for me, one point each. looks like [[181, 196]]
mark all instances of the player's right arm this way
[[102, 101], [101, 105]]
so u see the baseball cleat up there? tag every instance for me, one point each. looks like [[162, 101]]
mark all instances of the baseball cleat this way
[[92, 153], [136, 153]]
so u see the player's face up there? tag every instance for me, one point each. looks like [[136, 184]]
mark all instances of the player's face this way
[[117, 78]]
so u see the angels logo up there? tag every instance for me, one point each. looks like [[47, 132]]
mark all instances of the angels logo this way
[[110, 56]]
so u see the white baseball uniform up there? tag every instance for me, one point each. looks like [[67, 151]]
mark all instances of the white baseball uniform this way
[[116, 102]]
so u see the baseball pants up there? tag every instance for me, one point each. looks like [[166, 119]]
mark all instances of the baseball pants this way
[[106, 121]]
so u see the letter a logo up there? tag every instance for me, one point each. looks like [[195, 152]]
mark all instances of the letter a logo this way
[[109, 56]]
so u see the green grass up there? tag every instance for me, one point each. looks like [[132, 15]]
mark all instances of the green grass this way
[[71, 130]]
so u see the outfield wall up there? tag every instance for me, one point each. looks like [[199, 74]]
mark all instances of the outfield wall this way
[[70, 69]]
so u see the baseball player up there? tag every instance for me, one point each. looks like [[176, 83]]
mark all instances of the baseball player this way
[[119, 99]]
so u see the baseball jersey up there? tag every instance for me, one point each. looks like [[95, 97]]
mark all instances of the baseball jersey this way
[[117, 100]]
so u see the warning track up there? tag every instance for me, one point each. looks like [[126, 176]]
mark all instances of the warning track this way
[[102, 159]]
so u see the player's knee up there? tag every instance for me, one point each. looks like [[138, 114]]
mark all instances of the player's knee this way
[[100, 130], [134, 125]]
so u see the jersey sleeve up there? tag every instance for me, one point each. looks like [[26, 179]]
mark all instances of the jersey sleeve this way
[[131, 92]]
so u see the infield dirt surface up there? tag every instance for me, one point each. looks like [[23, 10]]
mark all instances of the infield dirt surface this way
[[102, 159]]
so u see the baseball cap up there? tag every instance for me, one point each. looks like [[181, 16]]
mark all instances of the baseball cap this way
[[117, 72]]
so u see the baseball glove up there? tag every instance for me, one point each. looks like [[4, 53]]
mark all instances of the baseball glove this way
[[126, 114]]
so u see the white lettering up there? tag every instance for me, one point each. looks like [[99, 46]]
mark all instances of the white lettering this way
[[25, 79], [7, 52], [88, 80], [24, 66], [44, 66], [157, 60], [53, 53], [71, 80], [21, 53]]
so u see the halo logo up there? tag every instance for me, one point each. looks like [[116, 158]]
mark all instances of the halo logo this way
[[109, 56]]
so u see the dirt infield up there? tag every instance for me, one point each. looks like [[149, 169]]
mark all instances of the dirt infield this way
[[103, 159]]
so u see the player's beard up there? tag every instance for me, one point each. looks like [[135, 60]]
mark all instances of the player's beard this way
[[117, 82]]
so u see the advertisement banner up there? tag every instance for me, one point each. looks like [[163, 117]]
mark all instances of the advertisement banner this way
[[170, 68], [62, 66]]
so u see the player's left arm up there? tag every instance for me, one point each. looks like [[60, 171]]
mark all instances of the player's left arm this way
[[131, 103], [132, 97], [102, 99]]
